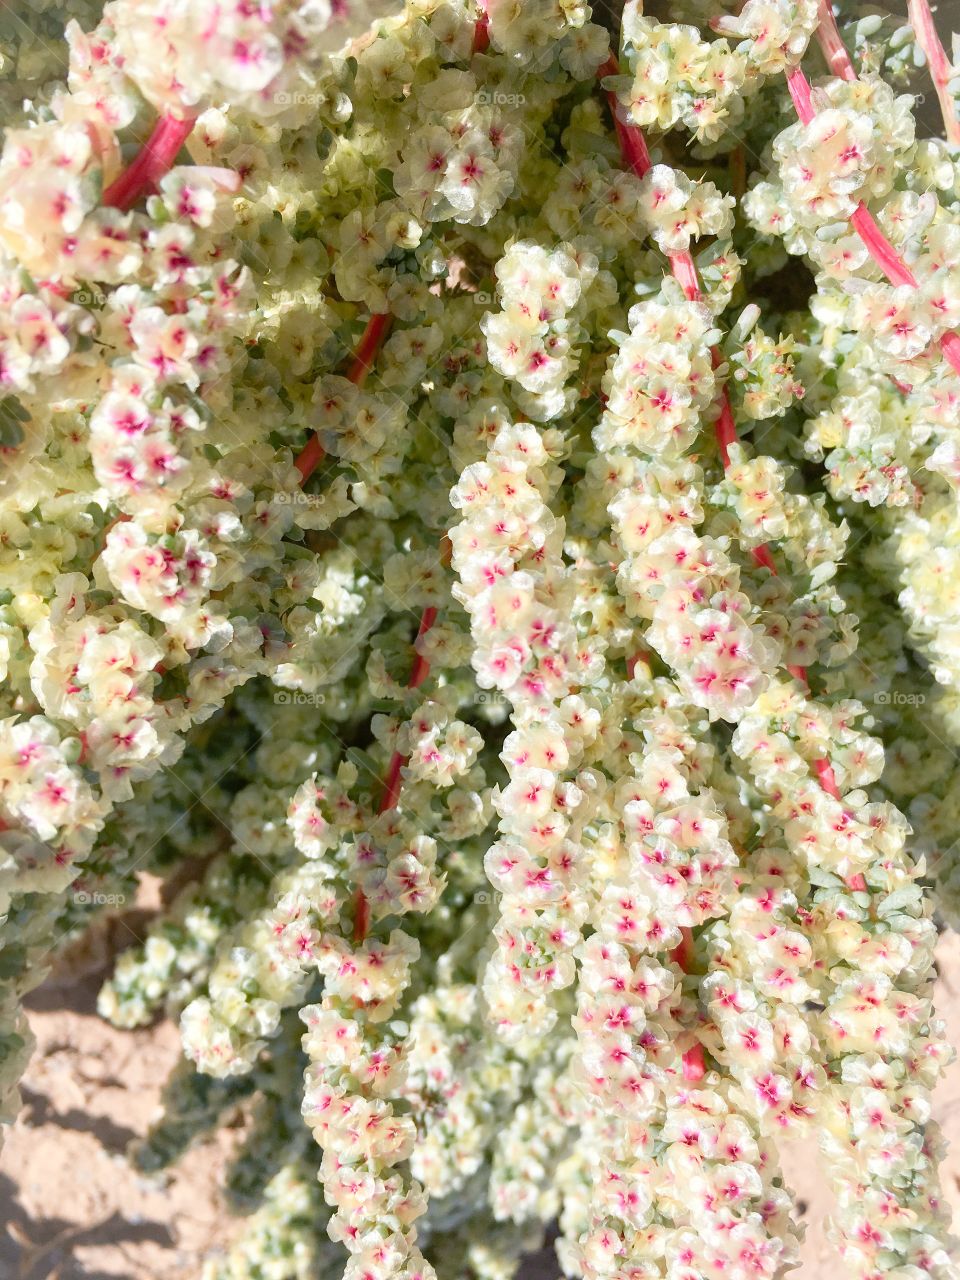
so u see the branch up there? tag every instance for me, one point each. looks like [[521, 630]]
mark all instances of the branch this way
[[831, 43], [921, 19], [313, 452], [155, 158], [391, 788]]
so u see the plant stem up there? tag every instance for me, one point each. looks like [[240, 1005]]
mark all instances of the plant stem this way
[[313, 452], [306, 462], [831, 43], [370, 342], [481, 32], [921, 19], [155, 158], [391, 787]]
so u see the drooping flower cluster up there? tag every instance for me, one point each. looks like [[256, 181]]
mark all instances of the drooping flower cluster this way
[[531, 341], [519, 594]]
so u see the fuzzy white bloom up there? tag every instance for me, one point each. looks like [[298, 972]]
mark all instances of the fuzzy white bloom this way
[[182, 56], [678, 211], [531, 341]]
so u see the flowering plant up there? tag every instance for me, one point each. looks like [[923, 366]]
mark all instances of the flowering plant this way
[[480, 518]]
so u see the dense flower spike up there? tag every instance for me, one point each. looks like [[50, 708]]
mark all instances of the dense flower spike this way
[[480, 524]]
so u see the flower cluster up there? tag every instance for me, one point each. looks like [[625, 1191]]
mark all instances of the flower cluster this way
[[531, 341], [519, 594]]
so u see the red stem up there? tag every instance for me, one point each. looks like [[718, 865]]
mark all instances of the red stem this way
[[306, 462], [418, 673], [694, 1064], [313, 452], [726, 427], [421, 668], [827, 777], [881, 250], [481, 32], [684, 271], [370, 342], [309, 458], [682, 954], [633, 145], [361, 917], [633, 150], [391, 785], [921, 19], [636, 156], [155, 158]]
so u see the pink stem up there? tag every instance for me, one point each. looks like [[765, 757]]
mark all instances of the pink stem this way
[[685, 273], [633, 145], [155, 158], [950, 346], [633, 149], [828, 781], [827, 777], [921, 19], [897, 271], [799, 87], [694, 1066], [881, 250], [831, 43], [726, 427], [636, 156]]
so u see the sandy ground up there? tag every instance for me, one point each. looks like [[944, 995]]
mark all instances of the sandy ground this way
[[73, 1209]]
